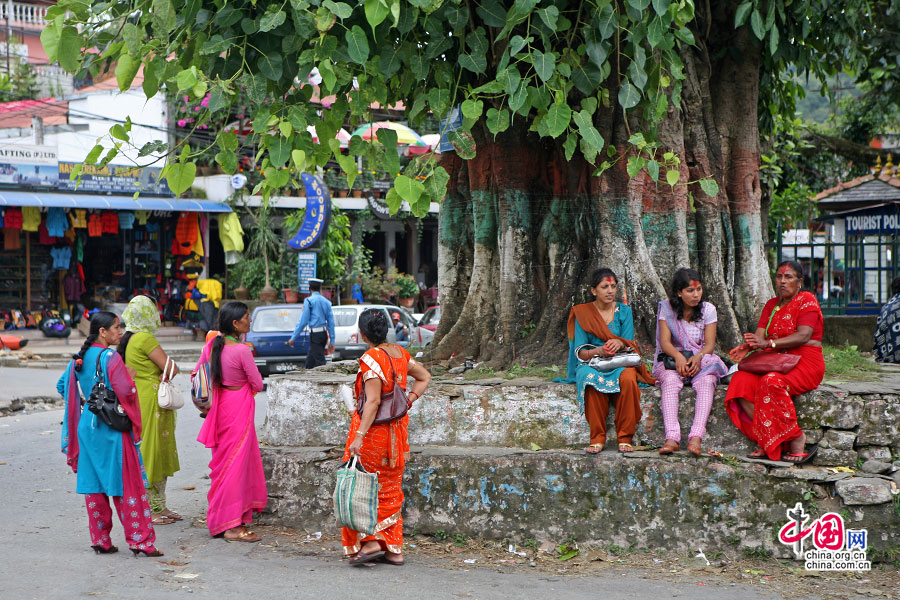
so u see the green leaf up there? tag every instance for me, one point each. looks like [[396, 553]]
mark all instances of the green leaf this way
[[271, 66], [227, 140], [273, 17], [629, 96], [126, 69], [348, 164], [517, 99], [324, 19], [70, 43], [119, 132], [492, 12], [276, 178], [133, 38], [569, 145], [773, 41], [162, 15], [569, 555], [327, 73], [472, 109], [50, 39], [377, 11], [436, 184], [463, 143], [497, 120], [557, 119], [709, 187], [181, 176], [357, 44], [639, 5], [227, 160], [510, 79], [199, 89], [150, 84], [93, 155], [606, 22], [299, 159], [757, 25], [661, 6], [635, 164], [672, 176], [685, 35], [741, 14], [653, 170], [544, 64], [549, 16], [393, 200], [186, 79], [475, 63], [637, 75], [516, 43], [656, 32], [409, 189], [340, 9]]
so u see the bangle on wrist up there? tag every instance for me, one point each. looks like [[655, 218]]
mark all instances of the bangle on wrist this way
[[360, 434], [772, 343]]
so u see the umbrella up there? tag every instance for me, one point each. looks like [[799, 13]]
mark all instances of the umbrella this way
[[405, 135], [433, 141], [342, 135]]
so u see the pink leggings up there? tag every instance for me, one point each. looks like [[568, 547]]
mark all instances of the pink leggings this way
[[670, 384], [134, 513]]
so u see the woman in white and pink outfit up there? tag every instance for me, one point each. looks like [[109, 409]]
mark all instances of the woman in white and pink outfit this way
[[686, 331]]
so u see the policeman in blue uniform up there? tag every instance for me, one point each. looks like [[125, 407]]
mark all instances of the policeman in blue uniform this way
[[318, 317]]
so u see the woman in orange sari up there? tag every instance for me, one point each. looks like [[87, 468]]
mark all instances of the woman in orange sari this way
[[382, 448], [761, 405]]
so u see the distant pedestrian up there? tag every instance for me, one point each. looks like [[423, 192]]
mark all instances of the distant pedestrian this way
[[237, 484], [399, 328], [316, 315], [142, 352], [106, 461], [887, 328], [381, 448]]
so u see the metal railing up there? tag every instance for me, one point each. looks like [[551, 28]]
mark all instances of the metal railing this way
[[23, 14], [849, 277]]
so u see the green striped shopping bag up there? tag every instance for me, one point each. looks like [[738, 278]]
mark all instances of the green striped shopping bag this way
[[356, 497]]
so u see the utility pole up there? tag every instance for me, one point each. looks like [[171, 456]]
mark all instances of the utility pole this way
[[37, 130], [9, 7]]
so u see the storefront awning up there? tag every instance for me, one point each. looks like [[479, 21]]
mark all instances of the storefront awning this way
[[50, 200]]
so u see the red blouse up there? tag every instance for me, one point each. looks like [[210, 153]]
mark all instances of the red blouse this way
[[802, 310]]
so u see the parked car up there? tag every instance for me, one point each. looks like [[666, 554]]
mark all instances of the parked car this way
[[431, 318], [418, 336], [270, 329]]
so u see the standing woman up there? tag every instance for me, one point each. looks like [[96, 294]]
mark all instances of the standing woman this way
[[381, 448], [106, 461], [686, 324], [761, 405], [602, 328], [237, 484], [142, 352]]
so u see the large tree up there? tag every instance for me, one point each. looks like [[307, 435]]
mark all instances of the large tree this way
[[622, 133]]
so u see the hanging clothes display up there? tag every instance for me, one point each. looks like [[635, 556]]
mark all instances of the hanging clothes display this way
[[62, 258], [57, 224], [11, 239], [95, 225], [12, 218], [126, 220], [73, 287], [186, 233], [231, 234], [78, 217], [142, 216], [44, 238], [110, 221], [31, 218]]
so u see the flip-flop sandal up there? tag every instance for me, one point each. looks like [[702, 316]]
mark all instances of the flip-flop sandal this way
[[384, 559], [804, 457], [594, 449], [361, 558], [244, 536], [754, 456], [173, 515], [626, 448], [161, 520]]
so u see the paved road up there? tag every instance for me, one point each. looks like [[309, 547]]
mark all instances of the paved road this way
[[44, 544]]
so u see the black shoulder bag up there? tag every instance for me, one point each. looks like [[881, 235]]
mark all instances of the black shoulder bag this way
[[104, 403]]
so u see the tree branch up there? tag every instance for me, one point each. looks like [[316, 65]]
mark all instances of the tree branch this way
[[858, 153]]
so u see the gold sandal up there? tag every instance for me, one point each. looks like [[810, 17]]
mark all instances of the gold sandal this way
[[244, 536], [594, 449]]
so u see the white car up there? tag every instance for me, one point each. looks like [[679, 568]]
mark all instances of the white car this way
[[348, 343]]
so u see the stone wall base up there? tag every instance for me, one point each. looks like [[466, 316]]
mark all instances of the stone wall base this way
[[681, 503]]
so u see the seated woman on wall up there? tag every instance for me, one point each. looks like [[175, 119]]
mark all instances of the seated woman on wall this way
[[887, 328], [761, 405], [608, 326], [686, 332]]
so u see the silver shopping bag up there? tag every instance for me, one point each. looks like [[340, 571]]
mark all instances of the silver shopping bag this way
[[356, 497]]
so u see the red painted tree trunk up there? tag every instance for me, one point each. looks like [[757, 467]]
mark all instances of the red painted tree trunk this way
[[522, 228]]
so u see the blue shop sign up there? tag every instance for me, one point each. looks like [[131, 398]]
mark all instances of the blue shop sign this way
[[306, 270], [318, 213], [885, 221]]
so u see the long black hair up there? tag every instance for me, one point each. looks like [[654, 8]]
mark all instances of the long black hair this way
[[374, 325], [228, 314], [99, 320], [681, 280]]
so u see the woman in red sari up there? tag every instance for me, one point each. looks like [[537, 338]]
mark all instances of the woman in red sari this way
[[382, 448], [761, 405]]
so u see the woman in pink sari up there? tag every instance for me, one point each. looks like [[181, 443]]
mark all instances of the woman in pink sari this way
[[237, 484]]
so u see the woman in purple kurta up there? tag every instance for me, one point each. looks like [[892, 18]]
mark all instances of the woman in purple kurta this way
[[237, 484]]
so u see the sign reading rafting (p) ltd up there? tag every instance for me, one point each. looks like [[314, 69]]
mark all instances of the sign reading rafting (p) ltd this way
[[28, 165]]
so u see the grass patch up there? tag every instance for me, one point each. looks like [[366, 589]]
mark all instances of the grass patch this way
[[547, 373], [845, 363]]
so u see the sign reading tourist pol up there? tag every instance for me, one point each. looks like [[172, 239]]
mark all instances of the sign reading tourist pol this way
[[887, 221], [835, 548]]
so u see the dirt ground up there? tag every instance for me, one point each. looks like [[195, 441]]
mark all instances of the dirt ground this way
[[783, 577]]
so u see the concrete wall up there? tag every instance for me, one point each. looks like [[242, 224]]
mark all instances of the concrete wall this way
[[850, 330]]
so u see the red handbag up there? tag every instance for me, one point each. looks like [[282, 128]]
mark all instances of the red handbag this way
[[760, 363]]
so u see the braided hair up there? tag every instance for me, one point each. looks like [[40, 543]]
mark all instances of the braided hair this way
[[228, 314], [99, 320]]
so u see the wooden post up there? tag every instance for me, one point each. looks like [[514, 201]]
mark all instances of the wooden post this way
[[27, 270]]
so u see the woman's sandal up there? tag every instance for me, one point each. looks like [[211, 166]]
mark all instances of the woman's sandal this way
[[758, 454], [361, 558], [397, 563], [244, 536], [161, 519], [172, 515], [669, 447], [694, 446], [594, 449], [625, 448], [800, 458]]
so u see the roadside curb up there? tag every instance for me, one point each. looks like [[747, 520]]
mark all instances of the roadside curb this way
[[29, 403]]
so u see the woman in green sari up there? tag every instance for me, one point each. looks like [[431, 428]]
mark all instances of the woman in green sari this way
[[142, 352]]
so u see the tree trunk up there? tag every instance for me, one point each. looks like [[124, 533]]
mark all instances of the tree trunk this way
[[522, 228]]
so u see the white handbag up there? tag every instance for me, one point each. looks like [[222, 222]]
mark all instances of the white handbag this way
[[167, 395]]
